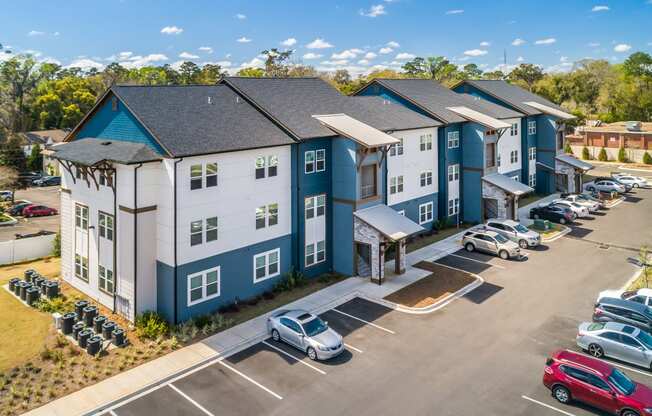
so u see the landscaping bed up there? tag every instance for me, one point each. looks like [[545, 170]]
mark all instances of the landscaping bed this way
[[443, 282], [7, 220], [554, 230]]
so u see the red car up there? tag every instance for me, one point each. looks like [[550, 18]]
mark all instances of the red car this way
[[572, 376], [38, 211]]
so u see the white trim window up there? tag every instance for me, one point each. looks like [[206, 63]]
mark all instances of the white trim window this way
[[81, 217], [513, 156], [453, 206], [315, 206], [396, 149], [203, 286], [267, 265], [425, 142], [531, 127], [266, 166], [105, 281], [81, 267], [532, 153], [532, 180], [425, 179], [453, 173], [105, 226], [266, 216], [200, 177], [211, 229], [513, 130], [196, 232], [320, 157], [309, 162], [315, 253], [425, 212], [396, 184], [453, 139]]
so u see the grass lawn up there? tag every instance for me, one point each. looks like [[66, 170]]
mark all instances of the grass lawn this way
[[641, 282], [530, 198], [554, 229]]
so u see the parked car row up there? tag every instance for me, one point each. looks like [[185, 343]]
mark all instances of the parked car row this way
[[26, 208], [568, 208], [501, 237], [617, 182]]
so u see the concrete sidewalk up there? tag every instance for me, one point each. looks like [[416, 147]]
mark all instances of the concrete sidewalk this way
[[98, 397]]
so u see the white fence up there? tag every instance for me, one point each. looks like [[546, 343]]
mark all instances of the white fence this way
[[28, 248]]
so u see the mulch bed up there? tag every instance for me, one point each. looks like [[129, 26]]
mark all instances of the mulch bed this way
[[442, 282]]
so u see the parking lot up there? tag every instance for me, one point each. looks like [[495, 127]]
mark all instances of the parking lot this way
[[48, 196], [483, 354]]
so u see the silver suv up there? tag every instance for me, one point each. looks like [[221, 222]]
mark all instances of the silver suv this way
[[514, 231], [490, 242]]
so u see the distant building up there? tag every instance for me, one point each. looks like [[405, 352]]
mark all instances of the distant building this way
[[45, 139], [634, 136]]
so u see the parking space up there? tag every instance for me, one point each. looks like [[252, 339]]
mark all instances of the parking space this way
[[48, 196]]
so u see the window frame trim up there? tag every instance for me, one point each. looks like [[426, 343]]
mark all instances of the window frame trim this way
[[267, 275], [203, 274]]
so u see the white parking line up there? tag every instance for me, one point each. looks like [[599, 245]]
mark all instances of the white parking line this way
[[251, 380], [477, 261], [614, 364], [190, 399], [295, 358], [112, 413], [353, 348], [366, 322], [563, 412]]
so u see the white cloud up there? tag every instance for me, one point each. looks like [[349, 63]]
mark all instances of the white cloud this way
[[254, 63], [518, 42], [475, 52], [405, 56], [289, 42], [50, 60], [85, 64], [455, 11], [370, 55], [311, 55], [33, 52], [240, 16], [187, 55], [319, 43], [622, 47], [385, 51], [485, 43], [594, 44], [562, 67], [56, 34], [206, 49], [223, 64], [171, 30], [600, 8], [347, 54], [335, 62], [243, 39], [374, 11], [546, 41], [563, 59], [35, 33], [363, 62], [393, 44], [138, 61], [520, 59]]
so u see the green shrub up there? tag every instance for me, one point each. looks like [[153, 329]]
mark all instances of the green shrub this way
[[292, 280], [622, 155], [585, 153], [151, 325], [56, 245], [647, 159], [568, 149], [60, 304], [602, 156]]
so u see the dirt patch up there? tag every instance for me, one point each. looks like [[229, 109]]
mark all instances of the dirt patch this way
[[443, 282]]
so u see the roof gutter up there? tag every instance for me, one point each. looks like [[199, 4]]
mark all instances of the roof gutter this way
[[176, 284]]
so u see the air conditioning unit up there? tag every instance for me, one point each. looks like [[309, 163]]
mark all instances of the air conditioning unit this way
[[633, 125]]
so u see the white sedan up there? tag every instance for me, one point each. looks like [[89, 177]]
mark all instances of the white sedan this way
[[643, 295], [579, 210], [592, 206], [634, 181], [605, 186]]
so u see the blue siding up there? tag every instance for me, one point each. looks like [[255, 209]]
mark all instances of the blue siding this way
[[117, 125], [472, 157], [343, 172], [342, 238], [236, 279], [546, 151], [411, 208], [447, 157], [472, 196], [376, 90]]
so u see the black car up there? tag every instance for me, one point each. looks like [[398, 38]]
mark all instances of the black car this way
[[49, 181], [623, 311], [18, 208], [552, 212], [26, 178]]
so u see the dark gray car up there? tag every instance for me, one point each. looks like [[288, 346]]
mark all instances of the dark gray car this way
[[623, 311]]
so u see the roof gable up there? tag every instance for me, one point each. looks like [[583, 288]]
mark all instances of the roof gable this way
[[511, 94]]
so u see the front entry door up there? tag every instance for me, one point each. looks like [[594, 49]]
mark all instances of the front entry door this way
[[561, 182], [490, 208], [363, 259]]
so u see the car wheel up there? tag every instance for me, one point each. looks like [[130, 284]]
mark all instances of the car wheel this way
[[275, 335], [629, 413], [522, 244], [590, 189], [635, 185], [562, 221], [469, 247], [536, 216], [562, 394], [503, 254], [596, 350], [312, 354]]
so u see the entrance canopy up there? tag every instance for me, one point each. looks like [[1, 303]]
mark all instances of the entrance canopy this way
[[574, 162], [480, 118], [356, 130], [388, 222], [550, 110], [507, 184]]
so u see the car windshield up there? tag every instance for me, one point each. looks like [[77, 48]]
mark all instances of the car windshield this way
[[314, 327], [645, 339], [622, 382], [576, 205], [521, 228], [500, 238]]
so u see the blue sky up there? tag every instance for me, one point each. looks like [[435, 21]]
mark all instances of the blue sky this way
[[357, 35]]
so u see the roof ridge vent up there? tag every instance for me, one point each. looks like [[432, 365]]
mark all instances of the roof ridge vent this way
[[105, 143], [237, 99], [210, 100]]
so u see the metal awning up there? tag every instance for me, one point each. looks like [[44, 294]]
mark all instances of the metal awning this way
[[543, 165], [574, 162], [388, 222], [507, 184], [479, 117], [356, 130], [91, 151], [550, 110]]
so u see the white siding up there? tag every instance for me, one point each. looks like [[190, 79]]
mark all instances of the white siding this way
[[507, 144]]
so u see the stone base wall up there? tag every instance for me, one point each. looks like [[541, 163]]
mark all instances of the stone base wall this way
[[363, 233], [490, 191]]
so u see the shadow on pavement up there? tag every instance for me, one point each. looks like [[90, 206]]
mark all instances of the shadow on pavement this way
[[483, 292]]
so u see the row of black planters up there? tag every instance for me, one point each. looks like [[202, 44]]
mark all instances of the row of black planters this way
[[89, 328], [34, 285]]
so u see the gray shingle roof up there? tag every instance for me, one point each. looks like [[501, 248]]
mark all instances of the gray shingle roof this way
[[91, 151], [512, 94], [184, 122], [293, 102], [434, 98]]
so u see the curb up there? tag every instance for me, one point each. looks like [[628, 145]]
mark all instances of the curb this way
[[557, 236], [632, 279], [12, 221]]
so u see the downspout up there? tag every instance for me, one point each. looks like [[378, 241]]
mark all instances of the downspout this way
[[115, 236], [136, 239], [176, 284], [298, 208]]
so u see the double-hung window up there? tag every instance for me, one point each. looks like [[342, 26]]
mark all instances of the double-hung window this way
[[198, 173], [425, 142], [203, 286], [532, 180], [211, 174], [396, 149], [531, 127], [309, 161], [81, 217], [396, 184], [266, 265], [453, 206], [320, 157], [196, 176], [425, 178], [106, 226], [315, 253], [211, 229], [81, 267], [260, 167], [425, 212], [532, 153], [513, 130], [453, 173], [196, 232], [513, 156], [453, 139], [266, 166], [315, 206], [266, 216], [105, 279]]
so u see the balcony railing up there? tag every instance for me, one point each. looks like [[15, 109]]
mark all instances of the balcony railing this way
[[367, 191]]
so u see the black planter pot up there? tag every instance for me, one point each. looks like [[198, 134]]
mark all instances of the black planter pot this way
[[12, 284], [67, 321], [118, 336], [23, 290], [98, 321], [77, 328], [52, 289], [107, 329], [93, 344], [83, 337], [79, 308], [90, 312], [32, 295]]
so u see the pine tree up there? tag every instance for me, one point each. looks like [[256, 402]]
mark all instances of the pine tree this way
[[585, 153], [602, 156], [622, 156]]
